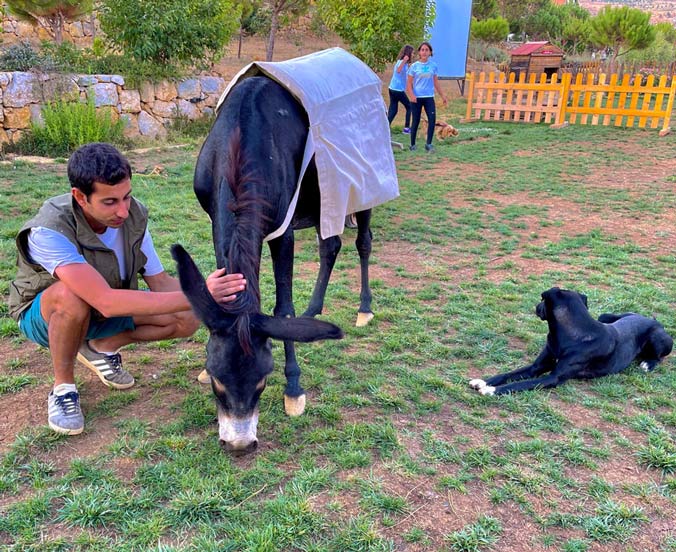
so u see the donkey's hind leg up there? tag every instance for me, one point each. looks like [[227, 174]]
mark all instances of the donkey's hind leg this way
[[364, 239], [328, 252]]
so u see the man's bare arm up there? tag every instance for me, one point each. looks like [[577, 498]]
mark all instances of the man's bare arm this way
[[222, 286], [85, 282]]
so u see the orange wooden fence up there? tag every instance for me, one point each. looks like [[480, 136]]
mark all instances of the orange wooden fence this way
[[502, 98], [627, 103], [587, 99]]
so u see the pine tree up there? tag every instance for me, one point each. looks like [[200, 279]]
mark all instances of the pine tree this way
[[621, 29]]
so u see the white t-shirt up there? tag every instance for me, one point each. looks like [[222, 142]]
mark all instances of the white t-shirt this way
[[50, 249]]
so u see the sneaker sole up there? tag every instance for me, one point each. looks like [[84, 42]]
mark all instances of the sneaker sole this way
[[64, 431], [81, 358]]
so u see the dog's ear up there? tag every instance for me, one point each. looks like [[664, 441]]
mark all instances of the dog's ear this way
[[541, 310], [584, 299], [549, 292]]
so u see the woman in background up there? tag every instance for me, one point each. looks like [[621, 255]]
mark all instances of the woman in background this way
[[421, 83], [397, 88]]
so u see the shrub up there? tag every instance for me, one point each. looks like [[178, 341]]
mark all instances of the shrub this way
[[92, 61], [67, 58], [179, 32], [661, 51], [19, 57], [258, 21], [182, 127], [492, 30], [67, 126], [481, 51], [136, 72]]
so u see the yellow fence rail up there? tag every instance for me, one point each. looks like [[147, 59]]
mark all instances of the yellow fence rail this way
[[631, 101]]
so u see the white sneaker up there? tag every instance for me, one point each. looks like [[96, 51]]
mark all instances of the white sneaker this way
[[64, 414]]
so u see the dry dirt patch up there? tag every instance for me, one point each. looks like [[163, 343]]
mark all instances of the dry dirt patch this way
[[29, 405]]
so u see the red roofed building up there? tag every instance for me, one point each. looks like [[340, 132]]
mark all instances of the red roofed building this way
[[536, 57]]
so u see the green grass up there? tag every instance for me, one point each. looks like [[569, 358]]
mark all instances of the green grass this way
[[394, 451], [475, 537]]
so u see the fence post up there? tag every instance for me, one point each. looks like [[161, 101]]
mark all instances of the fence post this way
[[470, 96], [560, 121], [666, 129]]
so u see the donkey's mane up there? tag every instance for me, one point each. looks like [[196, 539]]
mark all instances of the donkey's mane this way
[[249, 209]]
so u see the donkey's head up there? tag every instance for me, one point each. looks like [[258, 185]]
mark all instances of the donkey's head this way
[[239, 355]]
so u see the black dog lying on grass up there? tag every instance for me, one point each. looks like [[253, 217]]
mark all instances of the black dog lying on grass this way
[[580, 347]]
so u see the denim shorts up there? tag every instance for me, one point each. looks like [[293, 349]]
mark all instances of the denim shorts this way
[[34, 327]]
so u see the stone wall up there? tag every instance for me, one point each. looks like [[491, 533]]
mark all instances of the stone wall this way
[[146, 111], [80, 32]]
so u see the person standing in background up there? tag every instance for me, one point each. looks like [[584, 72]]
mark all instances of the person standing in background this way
[[397, 88], [421, 83]]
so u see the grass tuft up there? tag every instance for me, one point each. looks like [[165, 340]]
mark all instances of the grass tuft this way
[[477, 536]]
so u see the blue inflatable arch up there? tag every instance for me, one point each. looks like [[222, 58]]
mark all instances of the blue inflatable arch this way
[[449, 37]]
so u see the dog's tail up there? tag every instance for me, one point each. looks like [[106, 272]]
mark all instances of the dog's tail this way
[[609, 317]]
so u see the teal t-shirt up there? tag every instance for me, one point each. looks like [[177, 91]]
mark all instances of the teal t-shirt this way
[[423, 78], [398, 81]]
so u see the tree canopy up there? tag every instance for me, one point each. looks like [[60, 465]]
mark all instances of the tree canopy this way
[[621, 29], [518, 11], [492, 30], [484, 9], [662, 49], [576, 34], [667, 30], [181, 32], [563, 25], [375, 30]]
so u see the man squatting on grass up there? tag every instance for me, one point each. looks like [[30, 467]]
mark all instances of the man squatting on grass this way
[[76, 289]]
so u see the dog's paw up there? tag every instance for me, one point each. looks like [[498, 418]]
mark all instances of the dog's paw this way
[[648, 365], [477, 383], [487, 390]]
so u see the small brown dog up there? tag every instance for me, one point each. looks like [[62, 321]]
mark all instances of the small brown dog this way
[[442, 129]]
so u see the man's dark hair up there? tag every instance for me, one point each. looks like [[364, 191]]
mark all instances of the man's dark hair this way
[[97, 162]]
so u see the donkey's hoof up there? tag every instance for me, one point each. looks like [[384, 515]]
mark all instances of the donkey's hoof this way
[[204, 377], [363, 318], [294, 406]]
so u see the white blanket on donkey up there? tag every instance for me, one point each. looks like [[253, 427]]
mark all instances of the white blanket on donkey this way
[[349, 133]]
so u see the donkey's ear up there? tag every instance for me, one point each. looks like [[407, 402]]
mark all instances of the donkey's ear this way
[[303, 329], [195, 288]]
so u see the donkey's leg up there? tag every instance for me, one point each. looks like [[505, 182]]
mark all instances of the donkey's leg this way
[[364, 239], [328, 252], [281, 251]]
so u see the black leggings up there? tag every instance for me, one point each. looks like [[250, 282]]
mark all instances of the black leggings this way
[[397, 96], [430, 111]]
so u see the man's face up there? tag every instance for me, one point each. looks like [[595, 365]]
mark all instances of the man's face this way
[[107, 206]]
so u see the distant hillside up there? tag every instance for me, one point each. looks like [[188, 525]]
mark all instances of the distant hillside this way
[[661, 10]]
